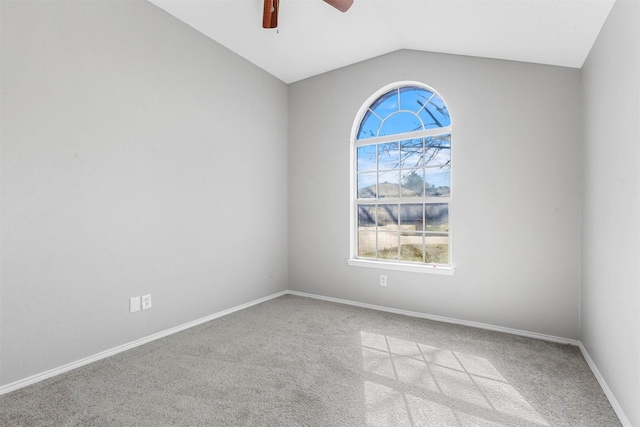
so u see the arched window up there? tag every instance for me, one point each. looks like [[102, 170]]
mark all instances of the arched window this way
[[401, 179]]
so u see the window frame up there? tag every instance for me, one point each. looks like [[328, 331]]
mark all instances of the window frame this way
[[399, 265]]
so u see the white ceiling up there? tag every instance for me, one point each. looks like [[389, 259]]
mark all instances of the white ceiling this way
[[313, 37]]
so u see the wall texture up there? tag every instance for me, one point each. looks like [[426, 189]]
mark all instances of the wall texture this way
[[136, 159], [516, 191], [610, 298]]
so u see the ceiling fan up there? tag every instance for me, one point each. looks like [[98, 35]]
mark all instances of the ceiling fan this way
[[270, 15]]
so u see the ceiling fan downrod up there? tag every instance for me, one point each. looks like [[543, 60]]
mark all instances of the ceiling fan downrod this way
[[270, 14]]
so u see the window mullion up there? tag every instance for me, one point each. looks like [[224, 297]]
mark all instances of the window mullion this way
[[424, 235], [405, 200], [377, 231], [403, 136]]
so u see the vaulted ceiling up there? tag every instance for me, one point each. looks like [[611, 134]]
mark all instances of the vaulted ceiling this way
[[313, 38]]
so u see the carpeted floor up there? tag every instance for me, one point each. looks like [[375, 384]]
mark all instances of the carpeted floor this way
[[296, 361]]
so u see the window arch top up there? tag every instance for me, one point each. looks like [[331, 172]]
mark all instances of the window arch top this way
[[403, 110]]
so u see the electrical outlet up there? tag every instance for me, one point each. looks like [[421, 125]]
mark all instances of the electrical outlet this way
[[383, 280], [134, 304], [146, 302]]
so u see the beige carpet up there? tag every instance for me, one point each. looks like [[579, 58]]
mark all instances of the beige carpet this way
[[295, 361]]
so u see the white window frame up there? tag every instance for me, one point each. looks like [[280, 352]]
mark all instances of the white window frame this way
[[354, 144]]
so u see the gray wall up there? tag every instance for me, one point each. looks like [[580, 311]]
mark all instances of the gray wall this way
[[610, 298], [123, 172], [516, 191], [137, 158]]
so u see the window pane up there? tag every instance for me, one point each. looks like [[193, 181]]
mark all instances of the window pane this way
[[438, 181], [429, 121], [437, 249], [388, 156], [437, 240], [389, 184], [367, 185], [413, 98], [438, 150], [436, 216], [399, 123], [412, 183], [367, 244], [411, 153], [369, 126], [411, 247], [411, 217], [437, 108], [366, 217], [438, 141], [367, 158], [387, 217], [388, 245], [386, 104], [435, 114]]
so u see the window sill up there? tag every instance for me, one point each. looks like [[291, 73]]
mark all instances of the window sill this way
[[428, 269]]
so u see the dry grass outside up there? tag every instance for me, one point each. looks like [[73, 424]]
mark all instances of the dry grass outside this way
[[435, 253]]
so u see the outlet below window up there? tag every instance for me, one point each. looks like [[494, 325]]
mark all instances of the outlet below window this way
[[146, 302]]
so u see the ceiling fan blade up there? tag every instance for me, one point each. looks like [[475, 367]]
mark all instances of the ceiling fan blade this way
[[270, 14], [341, 5]]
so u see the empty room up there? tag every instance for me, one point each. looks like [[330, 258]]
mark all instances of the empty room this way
[[320, 213]]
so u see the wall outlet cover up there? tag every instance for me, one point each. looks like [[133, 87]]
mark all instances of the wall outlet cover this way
[[146, 302]]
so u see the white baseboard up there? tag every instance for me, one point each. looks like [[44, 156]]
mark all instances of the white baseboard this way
[[442, 319], [605, 388], [107, 353], [62, 369]]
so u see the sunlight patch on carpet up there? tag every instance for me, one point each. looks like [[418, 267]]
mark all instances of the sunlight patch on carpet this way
[[414, 384]]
